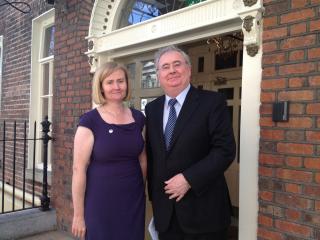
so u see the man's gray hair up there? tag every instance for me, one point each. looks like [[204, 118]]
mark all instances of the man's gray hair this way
[[167, 49]]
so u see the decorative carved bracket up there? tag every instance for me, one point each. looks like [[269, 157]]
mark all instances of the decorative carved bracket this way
[[90, 45], [248, 23], [252, 49], [93, 62], [91, 53], [251, 28], [250, 11]]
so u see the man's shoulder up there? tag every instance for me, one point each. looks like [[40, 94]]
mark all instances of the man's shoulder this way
[[206, 94], [155, 103]]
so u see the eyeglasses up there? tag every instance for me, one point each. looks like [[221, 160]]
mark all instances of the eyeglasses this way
[[166, 67]]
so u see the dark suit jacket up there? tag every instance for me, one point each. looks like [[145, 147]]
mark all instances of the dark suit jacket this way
[[203, 147]]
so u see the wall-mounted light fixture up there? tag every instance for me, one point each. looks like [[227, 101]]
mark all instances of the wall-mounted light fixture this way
[[280, 111], [220, 81]]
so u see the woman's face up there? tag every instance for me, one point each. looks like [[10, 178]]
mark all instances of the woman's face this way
[[114, 87]]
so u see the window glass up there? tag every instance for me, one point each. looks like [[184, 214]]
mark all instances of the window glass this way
[[226, 60], [149, 76], [48, 41], [200, 64], [46, 79], [45, 107], [142, 10], [144, 102], [131, 74], [1, 59], [227, 92]]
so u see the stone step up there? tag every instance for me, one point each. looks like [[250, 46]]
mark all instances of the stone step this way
[[52, 235], [25, 223]]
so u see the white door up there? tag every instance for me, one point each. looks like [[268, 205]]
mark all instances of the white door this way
[[222, 72], [211, 71]]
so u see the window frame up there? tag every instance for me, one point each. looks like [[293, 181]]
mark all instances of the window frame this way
[[1, 67], [38, 62]]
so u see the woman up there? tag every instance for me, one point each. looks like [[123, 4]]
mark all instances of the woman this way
[[109, 166]]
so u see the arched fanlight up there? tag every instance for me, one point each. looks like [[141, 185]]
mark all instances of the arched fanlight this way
[[142, 10]]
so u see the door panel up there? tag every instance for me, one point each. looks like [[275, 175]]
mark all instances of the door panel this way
[[225, 77], [144, 84]]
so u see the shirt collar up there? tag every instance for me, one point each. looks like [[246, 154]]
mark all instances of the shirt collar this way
[[181, 97]]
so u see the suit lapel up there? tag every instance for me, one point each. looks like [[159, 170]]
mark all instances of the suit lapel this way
[[159, 122], [189, 106]]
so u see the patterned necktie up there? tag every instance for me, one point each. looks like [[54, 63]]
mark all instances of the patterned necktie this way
[[171, 122]]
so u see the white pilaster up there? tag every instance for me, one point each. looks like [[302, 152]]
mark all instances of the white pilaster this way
[[250, 115]]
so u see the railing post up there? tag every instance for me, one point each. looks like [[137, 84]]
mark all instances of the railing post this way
[[45, 200]]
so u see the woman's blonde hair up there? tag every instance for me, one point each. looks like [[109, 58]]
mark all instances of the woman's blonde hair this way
[[101, 73]]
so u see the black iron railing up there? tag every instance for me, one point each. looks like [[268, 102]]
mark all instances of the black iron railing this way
[[15, 145]]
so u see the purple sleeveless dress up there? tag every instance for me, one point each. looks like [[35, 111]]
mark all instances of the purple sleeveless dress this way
[[115, 198]]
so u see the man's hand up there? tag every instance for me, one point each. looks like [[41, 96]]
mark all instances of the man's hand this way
[[177, 187]]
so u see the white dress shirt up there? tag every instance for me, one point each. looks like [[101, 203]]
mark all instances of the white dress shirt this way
[[180, 100]]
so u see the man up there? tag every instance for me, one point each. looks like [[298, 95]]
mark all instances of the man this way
[[190, 144]]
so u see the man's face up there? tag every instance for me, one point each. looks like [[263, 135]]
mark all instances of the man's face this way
[[173, 73]]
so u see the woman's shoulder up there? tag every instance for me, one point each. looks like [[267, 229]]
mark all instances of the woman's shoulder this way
[[89, 114], [136, 112], [88, 117], [138, 115]]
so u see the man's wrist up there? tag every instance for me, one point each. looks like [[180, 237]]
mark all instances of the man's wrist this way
[[188, 184]]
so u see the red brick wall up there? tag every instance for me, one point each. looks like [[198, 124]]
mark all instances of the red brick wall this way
[[16, 30], [72, 97], [289, 162], [15, 27]]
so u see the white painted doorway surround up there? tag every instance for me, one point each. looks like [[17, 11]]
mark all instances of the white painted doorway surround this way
[[200, 21]]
